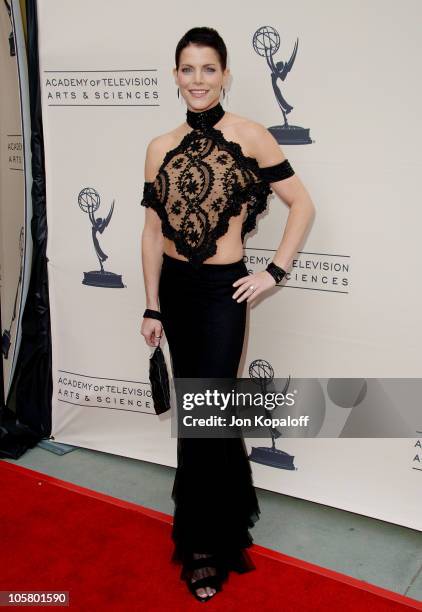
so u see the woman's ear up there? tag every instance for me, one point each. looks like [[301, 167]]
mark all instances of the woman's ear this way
[[226, 77]]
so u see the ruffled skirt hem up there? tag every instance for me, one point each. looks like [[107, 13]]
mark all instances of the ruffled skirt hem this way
[[214, 508]]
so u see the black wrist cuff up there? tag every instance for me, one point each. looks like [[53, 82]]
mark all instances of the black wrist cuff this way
[[276, 272], [152, 314]]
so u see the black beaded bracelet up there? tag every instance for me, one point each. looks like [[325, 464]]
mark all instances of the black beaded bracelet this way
[[152, 314], [276, 272]]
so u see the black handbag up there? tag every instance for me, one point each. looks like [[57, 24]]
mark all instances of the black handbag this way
[[159, 379]]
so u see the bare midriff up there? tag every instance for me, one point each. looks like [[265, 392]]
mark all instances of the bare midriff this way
[[229, 246]]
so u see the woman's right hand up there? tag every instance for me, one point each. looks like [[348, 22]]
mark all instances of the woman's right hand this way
[[152, 331]]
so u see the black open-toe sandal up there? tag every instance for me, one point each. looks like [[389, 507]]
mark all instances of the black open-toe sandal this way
[[213, 580]]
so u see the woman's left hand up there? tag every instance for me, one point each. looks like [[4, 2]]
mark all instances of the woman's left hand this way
[[249, 287]]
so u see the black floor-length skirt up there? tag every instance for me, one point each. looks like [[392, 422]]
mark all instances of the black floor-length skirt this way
[[215, 500]]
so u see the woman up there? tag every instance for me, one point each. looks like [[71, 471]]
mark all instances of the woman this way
[[205, 183]]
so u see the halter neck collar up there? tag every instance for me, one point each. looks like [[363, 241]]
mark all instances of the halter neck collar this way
[[204, 119]]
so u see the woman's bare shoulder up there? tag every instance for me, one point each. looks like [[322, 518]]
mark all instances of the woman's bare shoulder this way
[[158, 147], [256, 140], [246, 127], [165, 141]]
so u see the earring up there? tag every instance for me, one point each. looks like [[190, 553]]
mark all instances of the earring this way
[[224, 92], [178, 92]]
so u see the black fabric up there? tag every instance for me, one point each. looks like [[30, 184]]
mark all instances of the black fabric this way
[[277, 172], [276, 272], [203, 119], [34, 375], [31, 389], [201, 184], [215, 500], [158, 377], [149, 313]]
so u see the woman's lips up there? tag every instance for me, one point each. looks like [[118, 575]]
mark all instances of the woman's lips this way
[[198, 93]]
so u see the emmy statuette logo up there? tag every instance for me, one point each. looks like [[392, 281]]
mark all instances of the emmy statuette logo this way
[[266, 43], [261, 372], [89, 202]]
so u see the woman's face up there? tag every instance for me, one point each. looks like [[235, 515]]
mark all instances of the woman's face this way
[[200, 77]]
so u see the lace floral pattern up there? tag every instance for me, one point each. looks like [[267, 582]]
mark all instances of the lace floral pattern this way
[[200, 185]]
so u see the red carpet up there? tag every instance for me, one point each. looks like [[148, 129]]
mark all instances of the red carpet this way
[[114, 555]]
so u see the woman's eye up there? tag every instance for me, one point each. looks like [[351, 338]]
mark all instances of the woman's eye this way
[[208, 69]]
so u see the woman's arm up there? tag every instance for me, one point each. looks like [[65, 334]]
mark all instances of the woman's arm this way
[[152, 247], [290, 190], [265, 149], [152, 253]]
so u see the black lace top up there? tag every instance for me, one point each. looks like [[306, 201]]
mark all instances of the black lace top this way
[[201, 184]]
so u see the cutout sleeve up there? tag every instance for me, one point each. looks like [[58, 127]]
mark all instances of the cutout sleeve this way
[[277, 172]]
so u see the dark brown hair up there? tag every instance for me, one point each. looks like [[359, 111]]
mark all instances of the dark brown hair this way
[[205, 37]]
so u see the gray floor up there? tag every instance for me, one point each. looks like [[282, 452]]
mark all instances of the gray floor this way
[[375, 551]]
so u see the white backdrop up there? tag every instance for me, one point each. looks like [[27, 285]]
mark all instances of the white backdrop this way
[[106, 91], [15, 184]]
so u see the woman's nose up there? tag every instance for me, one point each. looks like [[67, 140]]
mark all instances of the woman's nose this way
[[198, 77]]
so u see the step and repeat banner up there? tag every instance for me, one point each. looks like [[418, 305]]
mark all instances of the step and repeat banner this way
[[350, 307], [15, 185]]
